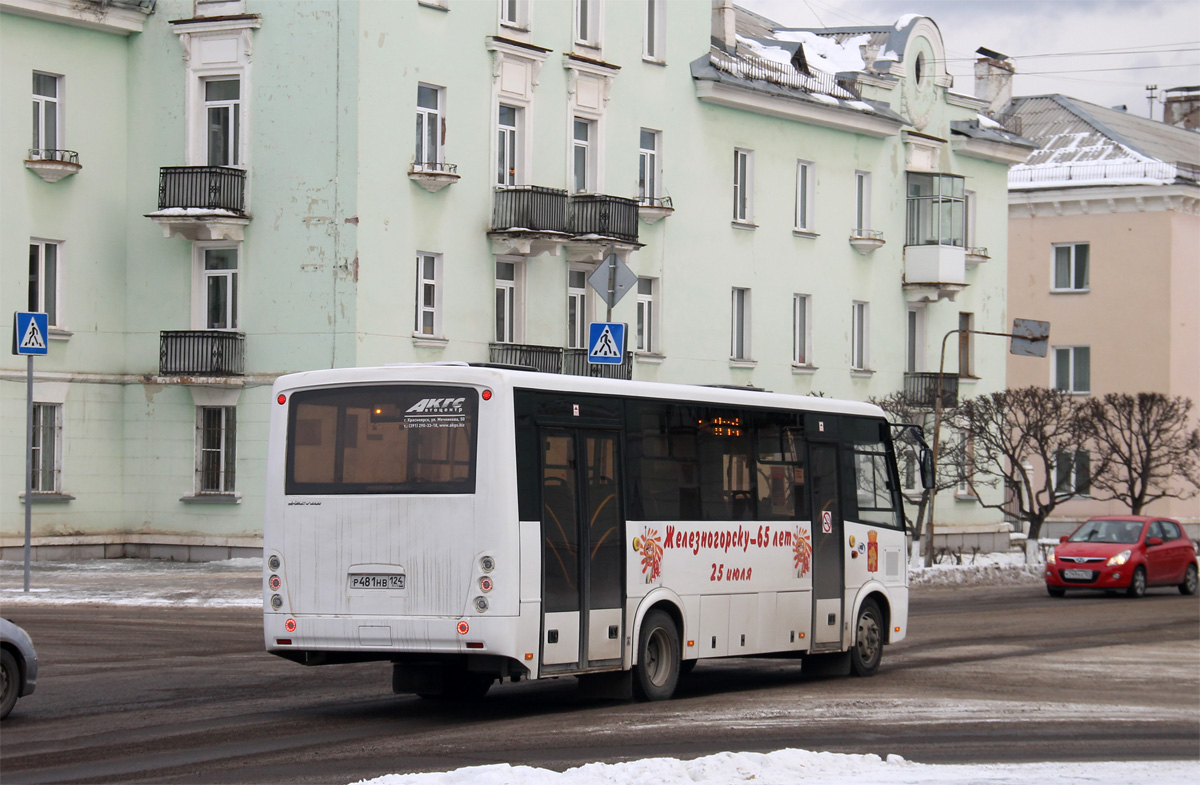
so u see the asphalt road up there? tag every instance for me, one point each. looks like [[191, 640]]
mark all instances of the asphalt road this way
[[136, 694]]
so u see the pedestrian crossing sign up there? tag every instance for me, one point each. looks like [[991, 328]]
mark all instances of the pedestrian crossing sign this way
[[29, 333], [606, 343]]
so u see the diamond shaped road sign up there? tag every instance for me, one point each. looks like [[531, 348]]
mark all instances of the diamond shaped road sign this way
[[1030, 338], [622, 278]]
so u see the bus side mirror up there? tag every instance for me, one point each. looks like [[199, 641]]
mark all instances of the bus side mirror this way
[[926, 459]]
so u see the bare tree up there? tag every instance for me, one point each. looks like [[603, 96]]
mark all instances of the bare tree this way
[[1147, 448], [1019, 436]]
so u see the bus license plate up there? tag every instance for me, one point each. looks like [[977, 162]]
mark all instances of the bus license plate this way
[[376, 581], [1077, 575]]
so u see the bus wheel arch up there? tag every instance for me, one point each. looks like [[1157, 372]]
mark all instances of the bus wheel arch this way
[[659, 655]]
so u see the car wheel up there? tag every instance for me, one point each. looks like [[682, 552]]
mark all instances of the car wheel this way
[[868, 644], [11, 682], [1189, 581], [1055, 592], [1137, 584], [657, 672]]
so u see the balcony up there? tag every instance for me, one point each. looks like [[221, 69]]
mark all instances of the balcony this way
[[865, 241], [921, 389], [653, 209], [934, 272], [433, 176], [976, 256], [53, 165], [556, 359], [201, 353], [528, 220], [603, 217], [201, 202]]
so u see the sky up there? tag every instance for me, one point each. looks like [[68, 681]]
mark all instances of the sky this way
[[1102, 51]]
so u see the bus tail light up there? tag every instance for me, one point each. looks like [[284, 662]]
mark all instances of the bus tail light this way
[[282, 399], [283, 641], [474, 644], [485, 584], [290, 625], [463, 627], [481, 604], [486, 395]]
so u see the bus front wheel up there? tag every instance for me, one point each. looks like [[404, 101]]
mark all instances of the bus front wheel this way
[[868, 642], [659, 658]]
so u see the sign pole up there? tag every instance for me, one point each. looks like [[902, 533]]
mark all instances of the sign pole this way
[[612, 282], [28, 463]]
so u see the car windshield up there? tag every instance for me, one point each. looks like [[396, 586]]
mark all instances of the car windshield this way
[[1108, 531]]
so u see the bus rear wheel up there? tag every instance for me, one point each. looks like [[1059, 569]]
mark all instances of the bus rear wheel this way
[[868, 642], [659, 659]]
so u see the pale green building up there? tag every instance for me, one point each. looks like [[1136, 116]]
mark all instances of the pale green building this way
[[221, 191]]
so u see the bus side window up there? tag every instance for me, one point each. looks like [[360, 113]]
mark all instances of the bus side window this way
[[780, 467], [869, 492]]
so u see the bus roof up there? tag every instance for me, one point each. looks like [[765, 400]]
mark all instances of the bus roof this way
[[501, 377]]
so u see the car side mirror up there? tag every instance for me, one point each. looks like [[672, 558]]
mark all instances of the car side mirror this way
[[1062, 538], [1154, 541]]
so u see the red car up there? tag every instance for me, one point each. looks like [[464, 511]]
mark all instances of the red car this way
[[1123, 552]]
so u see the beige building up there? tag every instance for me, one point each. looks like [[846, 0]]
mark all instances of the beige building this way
[[1104, 243]]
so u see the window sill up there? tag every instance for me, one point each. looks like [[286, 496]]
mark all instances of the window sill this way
[[429, 341], [862, 373], [803, 370], [965, 497], [650, 358], [437, 5], [968, 379], [746, 225], [212, 498], [59, 334], [1070, 291], [49, 498], [805, 233], [735, 362], [653, 60]]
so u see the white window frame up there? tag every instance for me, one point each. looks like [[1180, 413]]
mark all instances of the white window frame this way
[[646, 325], [1072, 356], [41, 103], [47, 421], [805, 189], [743, 186], [965, 465], [649, 167], [588, 23], [966, 345], [739, 331], [970, 199], [510, 147], [1068, 481], [862, 202], [654, 32], [860, 336], [802, 330], [915, 339], [428, 301], [237, 114], [1072, 268], [200, 281], [42, 298], [579, 306], [584, 182], [426, 116], [224, 450], [514, 14], [513, 303]]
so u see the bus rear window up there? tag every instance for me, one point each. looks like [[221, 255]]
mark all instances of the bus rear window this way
[[384, 439]]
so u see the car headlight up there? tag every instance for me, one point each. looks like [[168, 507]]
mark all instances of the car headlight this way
[[1051, 559], [1120, 559]]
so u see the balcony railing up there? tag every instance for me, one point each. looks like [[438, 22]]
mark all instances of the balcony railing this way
[[921, 389], [201, 353], [547, 359], [202, 187], [604, 215], [62, 156], [532, 208], [575, 363]]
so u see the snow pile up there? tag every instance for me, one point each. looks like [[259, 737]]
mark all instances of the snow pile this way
[[801, 767], [984, 569], [825, 53]]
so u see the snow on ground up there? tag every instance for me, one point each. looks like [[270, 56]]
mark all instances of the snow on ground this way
[[800, 767]]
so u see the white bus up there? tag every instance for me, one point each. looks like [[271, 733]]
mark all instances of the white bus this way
[[476, 523]]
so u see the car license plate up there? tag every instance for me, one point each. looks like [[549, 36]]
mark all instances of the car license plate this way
[[1077, 575], [377, 581]]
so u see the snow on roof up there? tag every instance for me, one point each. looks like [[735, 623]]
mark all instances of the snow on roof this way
[[828, 54]]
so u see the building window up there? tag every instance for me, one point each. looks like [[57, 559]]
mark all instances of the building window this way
[[587, 22], [936, 210], [804, 195], [743, 186], [647, 315], [46, 116], [222, 111], [860, 326], [649, 170], [1072, 369], [583, 160], [429, 295], [45, 268], [971, 202], [577, 308], [514, 13], [862, 202], [220, 286], [216, 453], [47, 448], [914, 354], [508, 302], [965, 465], [740, 328], [802, 329], [431, 126], [1072, 472], [655, 32], [508, 146], [966, 345], [1071, 267]]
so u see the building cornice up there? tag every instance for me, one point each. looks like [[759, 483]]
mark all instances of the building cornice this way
[[987, 150], [93, 16], [1105, 200], [758, 102]]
